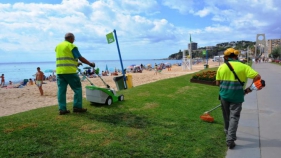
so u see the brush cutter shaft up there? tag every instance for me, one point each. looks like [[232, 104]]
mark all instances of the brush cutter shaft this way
[[214, 108]]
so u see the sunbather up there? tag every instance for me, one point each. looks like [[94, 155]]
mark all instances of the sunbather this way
[[114, 73], [30, 83]]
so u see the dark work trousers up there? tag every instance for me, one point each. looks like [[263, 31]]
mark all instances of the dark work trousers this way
[[73, 80], [231, 115]]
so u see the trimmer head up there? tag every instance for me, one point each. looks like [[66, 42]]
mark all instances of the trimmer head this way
[[207, 117]]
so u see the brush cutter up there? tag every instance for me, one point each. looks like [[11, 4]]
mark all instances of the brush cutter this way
[[207, 117], [257, 85]]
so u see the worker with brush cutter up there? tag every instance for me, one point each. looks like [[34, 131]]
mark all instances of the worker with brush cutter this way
[[231, 77]]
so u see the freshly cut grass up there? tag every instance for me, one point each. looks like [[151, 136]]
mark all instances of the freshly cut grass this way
[[159, 119]]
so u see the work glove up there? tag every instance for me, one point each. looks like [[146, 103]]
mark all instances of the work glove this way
[[247, 90], [92, 64]]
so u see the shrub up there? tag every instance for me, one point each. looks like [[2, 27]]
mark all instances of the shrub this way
[[205, 76]]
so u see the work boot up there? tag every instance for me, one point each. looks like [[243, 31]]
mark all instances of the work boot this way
[[64, 112], [79, 110], [231, 145]]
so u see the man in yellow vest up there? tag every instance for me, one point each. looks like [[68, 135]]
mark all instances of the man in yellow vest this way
[[232, 91], [67, 56]]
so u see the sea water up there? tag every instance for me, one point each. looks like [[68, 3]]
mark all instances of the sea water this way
[[18, 71]]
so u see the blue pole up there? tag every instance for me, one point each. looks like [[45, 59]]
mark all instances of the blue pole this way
[[120, 58]]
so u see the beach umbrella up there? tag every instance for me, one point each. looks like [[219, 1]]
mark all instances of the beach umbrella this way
[[49, 71], [106, 68], [111, 69], [87, 67]]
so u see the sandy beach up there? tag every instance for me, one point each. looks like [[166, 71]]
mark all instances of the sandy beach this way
[[16, 100]]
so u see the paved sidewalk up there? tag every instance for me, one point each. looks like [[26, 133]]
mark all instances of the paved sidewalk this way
[[259, 130]]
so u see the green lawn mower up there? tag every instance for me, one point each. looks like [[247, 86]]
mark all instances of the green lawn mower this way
[[100, 95]]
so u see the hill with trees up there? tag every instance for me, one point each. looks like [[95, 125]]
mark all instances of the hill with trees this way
[[215, 50]]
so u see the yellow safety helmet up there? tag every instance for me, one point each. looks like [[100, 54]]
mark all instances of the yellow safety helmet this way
[[231, 51]]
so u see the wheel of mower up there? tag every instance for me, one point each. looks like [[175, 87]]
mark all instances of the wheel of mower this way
[[108, 101], [121, 98]]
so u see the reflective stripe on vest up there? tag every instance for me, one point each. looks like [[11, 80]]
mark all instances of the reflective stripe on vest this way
[[65, 62]]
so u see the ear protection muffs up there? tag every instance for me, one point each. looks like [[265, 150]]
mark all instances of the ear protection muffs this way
[[230, 51]]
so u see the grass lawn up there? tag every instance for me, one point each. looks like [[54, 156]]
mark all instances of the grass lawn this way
[[159, 119]]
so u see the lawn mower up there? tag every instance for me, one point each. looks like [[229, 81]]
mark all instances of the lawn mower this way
[[100, 95]]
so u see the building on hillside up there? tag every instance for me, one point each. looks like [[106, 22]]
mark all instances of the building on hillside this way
[[232, 43], [193, 46], [222, 44], [272, 43], [210, 47]]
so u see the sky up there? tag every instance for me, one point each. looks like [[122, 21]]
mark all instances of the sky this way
[[146, 29]]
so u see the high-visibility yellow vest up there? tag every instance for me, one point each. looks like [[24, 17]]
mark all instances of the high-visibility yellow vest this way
[[65, 62], [230, 88]]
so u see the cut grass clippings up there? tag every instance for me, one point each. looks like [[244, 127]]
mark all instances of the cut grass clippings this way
[[159, 119]]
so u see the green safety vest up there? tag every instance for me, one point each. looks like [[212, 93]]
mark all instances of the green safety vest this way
[[65, 62]]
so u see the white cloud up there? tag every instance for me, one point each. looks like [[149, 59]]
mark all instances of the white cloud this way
[[43, 25], [218, 29], [141, 25], [218, 18], [204, 12], [183, 6]]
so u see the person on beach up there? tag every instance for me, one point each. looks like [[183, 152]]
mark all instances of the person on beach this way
[[50, 78], [2, 80], [67, 55], [30, 82], [231, 92], [39, 80], [156, 69], [54, 78]]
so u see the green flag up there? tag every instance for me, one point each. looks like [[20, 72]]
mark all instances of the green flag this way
[[110, 38], [190, 38], [204, 52]]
